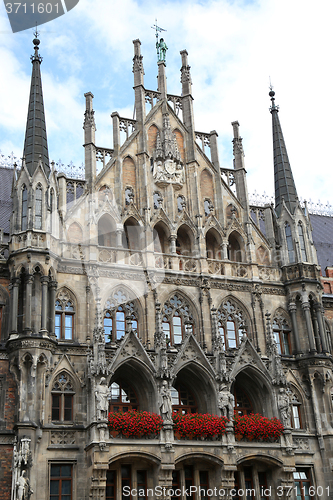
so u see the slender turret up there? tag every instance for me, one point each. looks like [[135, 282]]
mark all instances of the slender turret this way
[[284, 182], [35, 144]]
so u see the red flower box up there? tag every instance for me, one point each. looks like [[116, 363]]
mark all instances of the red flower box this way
[[198, 426], [257, 427], [135, 424]]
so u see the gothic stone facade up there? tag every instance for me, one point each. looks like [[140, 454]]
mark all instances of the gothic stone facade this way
[[157, 269]]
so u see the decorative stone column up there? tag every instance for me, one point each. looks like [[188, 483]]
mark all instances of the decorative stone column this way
[[322, 333], [307, 315], [45, 283], [28, 294], [172, 240], [292, 310], [53, 289], [15, 294]]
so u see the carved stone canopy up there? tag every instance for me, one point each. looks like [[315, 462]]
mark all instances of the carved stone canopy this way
[[168, 166]]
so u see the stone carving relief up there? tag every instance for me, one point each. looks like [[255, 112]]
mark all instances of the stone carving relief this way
[[167, 167]]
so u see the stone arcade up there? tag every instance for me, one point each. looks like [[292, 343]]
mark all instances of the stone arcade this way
[[153, 285]]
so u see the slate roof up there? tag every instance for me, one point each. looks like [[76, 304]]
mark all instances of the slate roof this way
[[323, 239], [6, 179]]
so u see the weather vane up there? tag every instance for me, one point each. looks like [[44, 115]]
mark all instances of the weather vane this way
[[161, 46]]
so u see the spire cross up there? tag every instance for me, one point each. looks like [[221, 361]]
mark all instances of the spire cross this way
[[36, 33]]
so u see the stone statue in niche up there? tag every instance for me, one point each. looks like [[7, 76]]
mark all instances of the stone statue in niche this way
[[226, 402], [24, 491], [284, 407], [165, 404], [102, 399]]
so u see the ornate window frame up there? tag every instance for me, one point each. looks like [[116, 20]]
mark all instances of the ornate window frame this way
[[64, 316], [177, 319], [231, 323], [62, 398], [38, 206], [24, 208], [282, 334], [117, 310]]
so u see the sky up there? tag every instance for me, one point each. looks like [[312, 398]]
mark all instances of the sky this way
[[235, 48]]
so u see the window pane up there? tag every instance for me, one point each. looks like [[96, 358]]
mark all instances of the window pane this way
[[55, 407], [177, 329], [286, 343], [57, 328], [120, 324], [54, 487], [65, 486], [55, 470], [66, 470], [68, 407], [68, 326], [231, 334], [108, 328]]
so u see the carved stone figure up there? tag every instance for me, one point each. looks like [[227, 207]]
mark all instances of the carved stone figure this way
[[102, 393], [165, 402], [24, 491], [226, 402], [284, 407]]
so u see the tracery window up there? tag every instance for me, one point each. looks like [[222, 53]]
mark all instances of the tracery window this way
[[157, 200], [181, 203], [123, 397], [62, 398], [24, 221], [38, 207], [64, 316], [302, 242], [290, 244], [281, 331], [231, 324], [183, 400], [296, 419], [118, 309], [177, 320]]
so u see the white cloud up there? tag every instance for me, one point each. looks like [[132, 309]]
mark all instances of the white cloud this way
[[233, 49]]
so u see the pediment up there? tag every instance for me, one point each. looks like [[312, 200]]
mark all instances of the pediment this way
[[64, 363]]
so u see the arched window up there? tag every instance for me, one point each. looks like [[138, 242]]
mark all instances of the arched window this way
[[296, 419], [64, 318], [123, 397], [183, 400], [281, 331], [62, 398], [38, 207], [51, 208], [157, 200], [236, 252], [181, 203], [24, 222], [302, 242], [243, 405], [231, 324], [177, 319], [118, 309], [290, 244]]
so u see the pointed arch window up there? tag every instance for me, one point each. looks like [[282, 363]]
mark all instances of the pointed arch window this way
[[281, 331], [24, 222], [231, 324], [290, 244], [117, 313], [51, 208], [123, 397], [62, 398], [64, 319], [296, 419], [177, 320], [302, 242], [183, 400], [38, 207]]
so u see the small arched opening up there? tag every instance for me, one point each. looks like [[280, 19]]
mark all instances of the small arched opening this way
[[236, 247], [107, 236]]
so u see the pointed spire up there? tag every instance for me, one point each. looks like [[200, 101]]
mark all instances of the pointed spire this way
[[284, 182], [35, 144]]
